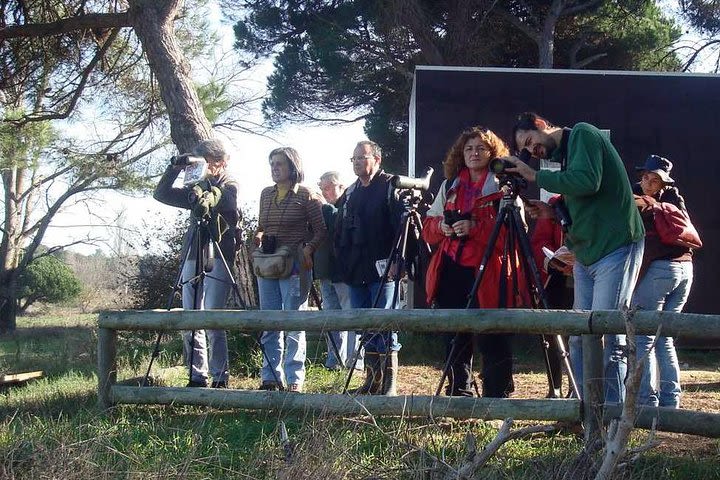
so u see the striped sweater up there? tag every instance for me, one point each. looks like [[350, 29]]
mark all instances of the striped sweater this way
[[296, 219]]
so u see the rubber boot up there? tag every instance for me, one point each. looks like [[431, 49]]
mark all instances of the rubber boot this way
[[373, 384], [389, 384]]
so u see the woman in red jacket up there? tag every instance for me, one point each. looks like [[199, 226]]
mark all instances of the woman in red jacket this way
[[459, 224]]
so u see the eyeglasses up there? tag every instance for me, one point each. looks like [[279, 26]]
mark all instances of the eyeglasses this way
[[361, 158]]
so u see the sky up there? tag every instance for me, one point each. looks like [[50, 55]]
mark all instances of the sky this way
[[322, 148]]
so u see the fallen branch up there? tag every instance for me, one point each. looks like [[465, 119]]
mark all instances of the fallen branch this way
[[477, 460]]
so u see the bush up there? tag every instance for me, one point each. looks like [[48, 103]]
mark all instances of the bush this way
[[49, 280]]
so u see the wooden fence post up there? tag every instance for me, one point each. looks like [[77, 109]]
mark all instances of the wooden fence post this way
[[107, 365], [593, 395]]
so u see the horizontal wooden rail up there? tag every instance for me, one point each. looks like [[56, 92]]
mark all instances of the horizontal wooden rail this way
[[563, 322], [671, 420], [589, 324], [410, 405]]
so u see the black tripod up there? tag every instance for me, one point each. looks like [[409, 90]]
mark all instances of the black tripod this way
[[205, 241], [318, 301], [516, 236], [410, 227]]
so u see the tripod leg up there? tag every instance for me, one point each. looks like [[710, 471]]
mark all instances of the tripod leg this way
[[537, 287], [177, 288], [328, 335], [472, 294], [236, 290]]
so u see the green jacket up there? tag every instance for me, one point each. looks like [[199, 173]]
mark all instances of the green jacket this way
[[597, 193]]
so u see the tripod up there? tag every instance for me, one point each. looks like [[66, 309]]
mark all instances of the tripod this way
[[516, 236], [205, 243], [410, 227], [330, 340]]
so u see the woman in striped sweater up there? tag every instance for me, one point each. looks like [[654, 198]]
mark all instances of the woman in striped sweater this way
[[290, 216]]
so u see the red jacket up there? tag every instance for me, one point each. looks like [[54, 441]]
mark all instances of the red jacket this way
[[547, 233], [484, 214]]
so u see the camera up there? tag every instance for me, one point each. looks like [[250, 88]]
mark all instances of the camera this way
[[184, 160], [422, 183], [195, 168], [562, 214], [269, 244], [450, 217], [499, 166]]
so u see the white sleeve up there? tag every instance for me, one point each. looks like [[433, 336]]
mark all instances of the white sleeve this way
[[438, 205]]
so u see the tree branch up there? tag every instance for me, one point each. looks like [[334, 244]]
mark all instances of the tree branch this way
[[67, 25], [79, 89]]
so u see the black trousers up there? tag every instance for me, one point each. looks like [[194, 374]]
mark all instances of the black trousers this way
[[559, 296], [455, 283]]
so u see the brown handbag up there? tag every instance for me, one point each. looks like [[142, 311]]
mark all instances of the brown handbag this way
[[278, 264]]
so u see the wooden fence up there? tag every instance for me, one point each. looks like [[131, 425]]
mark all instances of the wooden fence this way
[[590, 325]]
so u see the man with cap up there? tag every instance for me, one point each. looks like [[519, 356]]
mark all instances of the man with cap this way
[[666, 275], [606, 233]]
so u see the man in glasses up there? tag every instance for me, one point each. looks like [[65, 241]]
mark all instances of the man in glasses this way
[[368, 217], [606, 233]]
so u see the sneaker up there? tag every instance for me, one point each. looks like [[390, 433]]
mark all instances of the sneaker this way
[[269, 386], [197, 383], [333, 368], [219, 384], [295, 387]]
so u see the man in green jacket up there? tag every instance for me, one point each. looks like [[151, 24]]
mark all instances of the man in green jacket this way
[[606, 233]]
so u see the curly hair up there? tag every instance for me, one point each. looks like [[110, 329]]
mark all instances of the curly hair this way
[[455, 160]]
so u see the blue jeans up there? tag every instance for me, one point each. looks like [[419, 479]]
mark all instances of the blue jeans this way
[[211, 294], [666, 287], [607, 285], [285, 350], [336, 296], [363, 296]]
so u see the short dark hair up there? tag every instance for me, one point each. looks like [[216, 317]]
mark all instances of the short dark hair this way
[[525, 121]]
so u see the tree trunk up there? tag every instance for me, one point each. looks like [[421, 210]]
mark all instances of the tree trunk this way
[[153, 21], [8, 303], [10, 250]]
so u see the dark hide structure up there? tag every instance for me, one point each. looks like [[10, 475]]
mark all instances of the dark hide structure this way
[[673, 115]]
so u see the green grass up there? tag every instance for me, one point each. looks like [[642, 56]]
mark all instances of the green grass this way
[[51, 428]]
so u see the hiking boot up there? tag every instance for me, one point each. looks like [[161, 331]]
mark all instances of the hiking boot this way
[[389, 384], [219, 384], [197, 383], [269, 386], [295, 387], [373, 375]]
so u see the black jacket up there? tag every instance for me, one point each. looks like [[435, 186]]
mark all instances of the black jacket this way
[[366, 225]]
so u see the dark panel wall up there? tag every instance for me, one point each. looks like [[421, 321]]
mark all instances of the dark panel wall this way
[[676, 116]]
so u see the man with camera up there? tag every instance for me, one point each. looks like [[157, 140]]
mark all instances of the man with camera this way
[[368, 217], [210, 193], [606, 233]]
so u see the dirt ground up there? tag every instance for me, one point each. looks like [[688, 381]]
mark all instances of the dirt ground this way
[[701, 391]]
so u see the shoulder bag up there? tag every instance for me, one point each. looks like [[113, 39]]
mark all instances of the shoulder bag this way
[[674, 227], [278, 264]]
